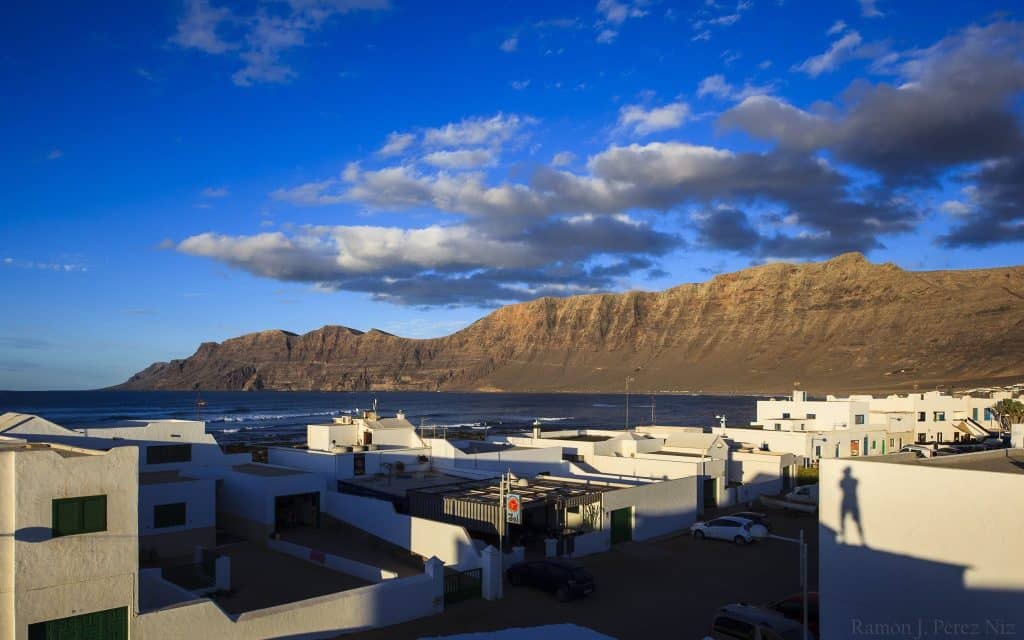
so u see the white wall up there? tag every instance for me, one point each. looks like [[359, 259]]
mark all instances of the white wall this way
[[199, 496], [427, 538], [523, 462], [387, 603], [939, 544], [659, 508], [331, 561], [46, 578]]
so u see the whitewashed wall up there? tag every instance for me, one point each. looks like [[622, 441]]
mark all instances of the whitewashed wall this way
[[938, 544], [377, 605], [448, 542], [659, 508], [331, 561]]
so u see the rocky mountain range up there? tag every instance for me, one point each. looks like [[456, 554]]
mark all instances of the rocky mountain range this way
[[837, 326]]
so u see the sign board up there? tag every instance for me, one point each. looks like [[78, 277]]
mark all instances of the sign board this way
[[854, 447], [513, 508]]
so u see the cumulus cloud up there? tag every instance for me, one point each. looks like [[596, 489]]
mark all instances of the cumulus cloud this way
[[837, 27], [718, 87], [950, 106], [643, 121], [396, 144], [476, 131], [563, 158], [260, 39], [613, 13], [846, 48], [460, 159], [996, 213]]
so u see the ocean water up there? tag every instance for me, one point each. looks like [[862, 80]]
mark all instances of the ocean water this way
[[238, 416]]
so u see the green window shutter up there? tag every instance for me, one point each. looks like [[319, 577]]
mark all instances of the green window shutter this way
[[94, 512], [169, 515], [67, 517], [79, 515]]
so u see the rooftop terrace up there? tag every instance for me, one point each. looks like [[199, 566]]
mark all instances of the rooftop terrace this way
[[999, 461]]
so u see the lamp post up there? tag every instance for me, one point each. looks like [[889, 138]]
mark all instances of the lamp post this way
[[629, 378], [803, 572]]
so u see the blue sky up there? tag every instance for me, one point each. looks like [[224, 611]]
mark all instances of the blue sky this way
[[184, 172]]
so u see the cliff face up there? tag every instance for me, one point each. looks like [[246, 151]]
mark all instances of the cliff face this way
[[842, 325]]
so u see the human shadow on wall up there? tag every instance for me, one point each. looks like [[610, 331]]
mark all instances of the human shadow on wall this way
[[849, 506]]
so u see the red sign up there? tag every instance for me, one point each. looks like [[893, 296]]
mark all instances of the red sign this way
[[512, 509]]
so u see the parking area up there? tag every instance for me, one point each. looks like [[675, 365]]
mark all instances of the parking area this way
[[666, 588]]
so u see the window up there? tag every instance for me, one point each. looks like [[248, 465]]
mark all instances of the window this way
[[785, 416], [974, 414], [988, 414], [778, 427], [72, 516], [169, 515], [956, 437], [921, 416], [858, 419], [812, 416], [168, 453], [892, 442], [872, 445], [920, 438], [940, 416], [801, 426], [817, 451], [359, 464]]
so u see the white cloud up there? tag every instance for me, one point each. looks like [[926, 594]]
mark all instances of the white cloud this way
[[509, 44], [260, 39], [717, 86], [519, 85], [643, 121], [396, 144], [841, 50], [837, 27], [563, 158], [198, 28], [955, 208], [35, 265], [215, 192], [703, 36], [868, 9], [613, 14], [476, 131], [460, 159], [607, 36], [55, 154]]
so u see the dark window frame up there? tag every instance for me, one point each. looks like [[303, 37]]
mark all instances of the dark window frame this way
[[168, 453], [78, 515], [167, 515]]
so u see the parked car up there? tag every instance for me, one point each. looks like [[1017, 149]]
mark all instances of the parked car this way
[[947, 451], [565, 579], [793, 608], [807, 494], [756, 517], [756, 623], [922, 450], [738, 530]]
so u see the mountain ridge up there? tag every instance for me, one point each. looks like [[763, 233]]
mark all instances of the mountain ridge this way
[[841, 325]]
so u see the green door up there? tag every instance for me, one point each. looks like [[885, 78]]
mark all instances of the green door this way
[[622, 525], [111, 624]]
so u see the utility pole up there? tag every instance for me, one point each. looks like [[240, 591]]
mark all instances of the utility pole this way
[[501, 537]]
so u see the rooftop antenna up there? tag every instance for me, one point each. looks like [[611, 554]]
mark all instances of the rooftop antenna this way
[[721, 420], [375, 405]]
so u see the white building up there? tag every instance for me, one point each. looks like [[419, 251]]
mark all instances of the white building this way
[[68, 539], [922, 548], [864, 425]]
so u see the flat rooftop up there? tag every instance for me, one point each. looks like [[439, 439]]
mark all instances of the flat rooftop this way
[[578, 438], [64, 451], [535, 489], [479, 446], [998, 461], [265, 470], [401, 483]]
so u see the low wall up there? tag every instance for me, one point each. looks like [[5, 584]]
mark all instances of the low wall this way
[[593, 542], [337, 563], [386, 603], [428, 538], [179, 543]]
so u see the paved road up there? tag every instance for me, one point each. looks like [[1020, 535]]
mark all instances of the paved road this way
[[670, 588]]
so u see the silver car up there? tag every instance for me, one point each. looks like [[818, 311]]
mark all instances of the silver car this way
[[731, 528]]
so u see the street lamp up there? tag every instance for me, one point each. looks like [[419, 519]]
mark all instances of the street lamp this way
[[803, 571], [630, 378]]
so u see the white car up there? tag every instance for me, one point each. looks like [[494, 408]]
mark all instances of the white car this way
[[738, 530]]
